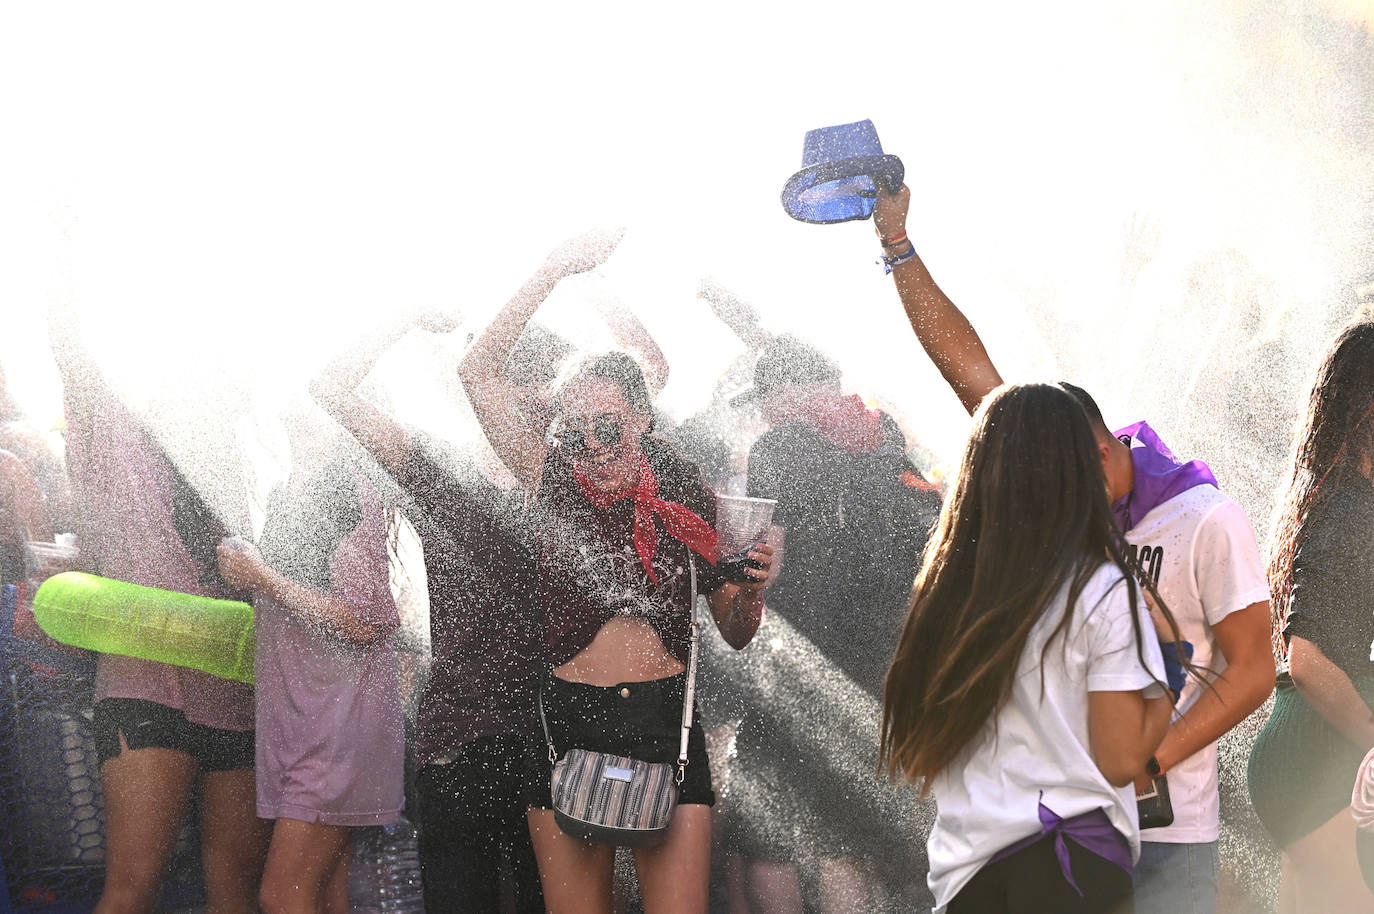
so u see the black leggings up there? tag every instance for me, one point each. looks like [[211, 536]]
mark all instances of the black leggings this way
[[472, 819], [1030, 882]]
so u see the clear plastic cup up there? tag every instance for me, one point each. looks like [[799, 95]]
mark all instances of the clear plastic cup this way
[[742, 522], [47, 559]]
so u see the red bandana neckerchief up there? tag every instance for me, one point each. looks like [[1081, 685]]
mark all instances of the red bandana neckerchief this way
[[681, 522]]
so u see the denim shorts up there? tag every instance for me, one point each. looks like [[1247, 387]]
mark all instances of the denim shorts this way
[[147, 725], [641, 720]]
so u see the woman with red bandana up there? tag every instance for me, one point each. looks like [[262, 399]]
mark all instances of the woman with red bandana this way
[[620, 519]]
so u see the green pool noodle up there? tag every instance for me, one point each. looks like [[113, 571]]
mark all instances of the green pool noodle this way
[[116, 617]]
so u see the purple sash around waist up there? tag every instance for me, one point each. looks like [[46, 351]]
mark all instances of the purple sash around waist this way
[[1092, 831], [1159, 475]]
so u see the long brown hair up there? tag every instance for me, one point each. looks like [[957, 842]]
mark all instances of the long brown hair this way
[[1027, 517], [1336, 432]]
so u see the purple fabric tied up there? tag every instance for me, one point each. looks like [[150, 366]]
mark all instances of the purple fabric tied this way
[[1092, 831], [1159, 475]]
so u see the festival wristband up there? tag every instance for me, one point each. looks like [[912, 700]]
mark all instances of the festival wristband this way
[[893, 242]]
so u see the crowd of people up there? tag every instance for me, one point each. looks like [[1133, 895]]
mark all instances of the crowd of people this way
[[1051, 648]]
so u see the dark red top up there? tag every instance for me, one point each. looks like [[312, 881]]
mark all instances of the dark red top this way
[[589, 570]]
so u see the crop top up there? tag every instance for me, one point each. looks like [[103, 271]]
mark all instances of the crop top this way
[[589, 571]]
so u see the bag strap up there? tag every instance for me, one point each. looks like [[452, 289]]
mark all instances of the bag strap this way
[[689, 693]]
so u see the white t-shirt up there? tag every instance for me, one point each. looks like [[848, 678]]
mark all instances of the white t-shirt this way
[[990, 796], [1199, 549]]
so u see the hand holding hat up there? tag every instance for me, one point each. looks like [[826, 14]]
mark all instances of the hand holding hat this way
[[843, 171]]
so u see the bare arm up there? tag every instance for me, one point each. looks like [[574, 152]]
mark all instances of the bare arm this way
[[738, 608], [493, 396], [1124, 730], [336, 389], [942, 329], [1329, 691], [1243, 639], [735, 313], [247, 570], [630, 333]]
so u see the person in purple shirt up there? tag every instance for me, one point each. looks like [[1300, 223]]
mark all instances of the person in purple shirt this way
[[159, 730], [330, 743]]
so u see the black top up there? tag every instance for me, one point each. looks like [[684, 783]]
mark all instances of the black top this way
[[853, 535], [1333, 582], [485, 636], [589, 570]]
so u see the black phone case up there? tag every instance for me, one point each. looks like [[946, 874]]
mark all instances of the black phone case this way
[[1155, 809]]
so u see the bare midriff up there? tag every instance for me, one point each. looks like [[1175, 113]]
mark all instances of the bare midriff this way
[[624, 650]]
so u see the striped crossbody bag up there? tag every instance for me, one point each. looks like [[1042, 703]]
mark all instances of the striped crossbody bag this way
[[613, 799]]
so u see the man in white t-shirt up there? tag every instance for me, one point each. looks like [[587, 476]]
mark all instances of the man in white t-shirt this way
[[1196, 545]]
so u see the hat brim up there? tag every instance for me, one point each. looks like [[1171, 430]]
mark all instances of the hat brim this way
[[854, 191]]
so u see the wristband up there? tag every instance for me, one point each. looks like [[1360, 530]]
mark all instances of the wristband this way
[[899, 258], [1152, 767], [893, 242]]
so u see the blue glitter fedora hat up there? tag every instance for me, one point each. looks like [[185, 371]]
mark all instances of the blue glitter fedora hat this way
[[842, 167]]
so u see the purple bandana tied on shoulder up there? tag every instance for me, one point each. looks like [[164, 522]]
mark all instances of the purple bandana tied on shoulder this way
[[1159, 475]]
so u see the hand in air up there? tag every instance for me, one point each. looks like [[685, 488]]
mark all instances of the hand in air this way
[[439, 321], [889, 213], [585, 252], [241, 566]]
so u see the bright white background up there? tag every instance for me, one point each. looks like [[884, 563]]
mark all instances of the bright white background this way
[[240, 189]]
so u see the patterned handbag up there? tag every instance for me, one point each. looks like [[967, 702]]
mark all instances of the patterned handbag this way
[[613, 799]]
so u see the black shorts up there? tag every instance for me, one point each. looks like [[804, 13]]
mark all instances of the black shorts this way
[[641, 720], [148, 725]]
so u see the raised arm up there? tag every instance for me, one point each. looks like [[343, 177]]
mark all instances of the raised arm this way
[[943, 331], [630, 334], [735, 313], [336, 389], [494, 397]]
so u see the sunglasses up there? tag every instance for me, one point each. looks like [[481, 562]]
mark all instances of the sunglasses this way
[[606, 428]]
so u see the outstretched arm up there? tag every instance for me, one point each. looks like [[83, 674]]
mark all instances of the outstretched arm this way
[[943, 331], [494, 397], [336, 389]]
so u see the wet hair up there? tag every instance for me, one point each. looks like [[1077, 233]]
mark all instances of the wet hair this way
[[1330, 439], [535, 359], [1027, 517], [619, 368]]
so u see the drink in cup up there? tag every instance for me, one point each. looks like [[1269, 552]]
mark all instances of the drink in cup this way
[[741, 524]]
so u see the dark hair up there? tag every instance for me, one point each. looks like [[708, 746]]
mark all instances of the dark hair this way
[[619, 368], [1338, 424], [1028, 516], [1089, 405], [788, 361], [537, 354]]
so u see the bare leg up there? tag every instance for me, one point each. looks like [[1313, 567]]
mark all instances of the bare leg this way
[[146, 793], [774, 888], [233, 842], [1325, 870], [844, 886], [674, 877], [300, 864], [336, 889], [577, 876]]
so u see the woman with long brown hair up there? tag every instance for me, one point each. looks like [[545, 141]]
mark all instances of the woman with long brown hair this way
[[1027, 689], [623, 528], [1303, 766]]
